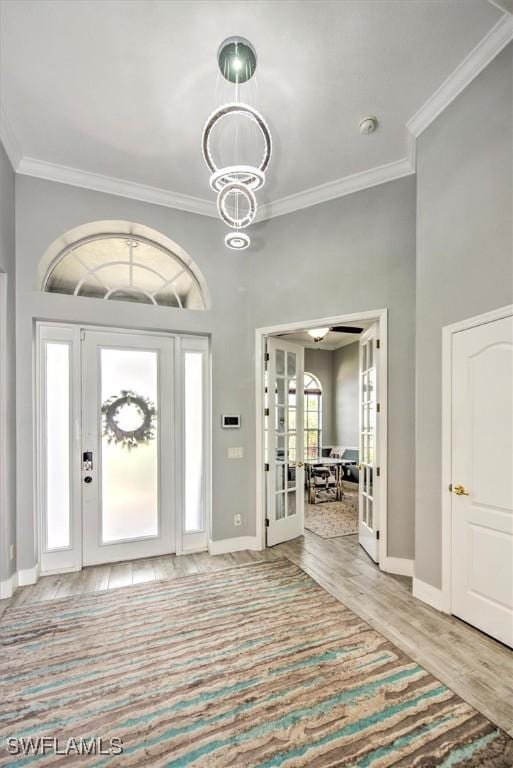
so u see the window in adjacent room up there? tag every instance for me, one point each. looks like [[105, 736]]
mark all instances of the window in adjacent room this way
[[313, 416]]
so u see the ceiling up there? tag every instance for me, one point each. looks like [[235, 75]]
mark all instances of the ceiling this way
[[331, 341], [122, 89]]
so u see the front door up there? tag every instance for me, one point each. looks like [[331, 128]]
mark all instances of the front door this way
[[367, 488], [127, 451], [285, 443], [482, 477]]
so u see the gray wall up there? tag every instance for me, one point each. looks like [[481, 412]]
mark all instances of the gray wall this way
[[8, 515], [358, 251], [346, 373], [45, 210], [320, 363], [349, 255], [464, 260]]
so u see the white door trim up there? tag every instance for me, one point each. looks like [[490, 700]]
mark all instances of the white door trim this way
[[380, 316], [186, 542], [448, 332]]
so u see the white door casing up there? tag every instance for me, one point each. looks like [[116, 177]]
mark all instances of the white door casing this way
[[482, 477], [368, 487], [128, 502], [285, 443]]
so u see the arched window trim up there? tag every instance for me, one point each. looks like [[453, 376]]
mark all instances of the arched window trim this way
[[120, 235], [312, 435], [100, 230]]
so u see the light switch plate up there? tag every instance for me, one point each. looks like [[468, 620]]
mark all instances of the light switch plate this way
[[235, 453]]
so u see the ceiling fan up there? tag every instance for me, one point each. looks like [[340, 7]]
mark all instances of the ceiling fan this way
[[318, 334]]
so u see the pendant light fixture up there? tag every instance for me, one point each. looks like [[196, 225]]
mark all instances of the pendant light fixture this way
[[236, 184]]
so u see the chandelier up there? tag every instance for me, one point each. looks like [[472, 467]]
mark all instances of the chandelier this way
[[236, 185]]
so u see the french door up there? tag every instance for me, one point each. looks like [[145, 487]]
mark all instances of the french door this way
[[368, 489], [284, 441], [482, 482], [127, 446]]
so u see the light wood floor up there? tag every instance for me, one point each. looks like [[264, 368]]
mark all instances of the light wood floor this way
[[476, 667]]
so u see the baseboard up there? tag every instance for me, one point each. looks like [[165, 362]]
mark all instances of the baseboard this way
[[19, 578], [28, 576], [224, 546], [401, 566], [429, 594], [8, 586]]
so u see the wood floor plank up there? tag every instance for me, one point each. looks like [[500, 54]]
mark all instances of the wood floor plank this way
[[164, 568], [97, 578], [143, 570], [120, 575]]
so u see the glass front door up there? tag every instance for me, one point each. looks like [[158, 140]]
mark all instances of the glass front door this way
[[127, 459]]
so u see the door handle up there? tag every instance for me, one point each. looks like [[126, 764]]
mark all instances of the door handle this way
[[300, 464], [460, 490]]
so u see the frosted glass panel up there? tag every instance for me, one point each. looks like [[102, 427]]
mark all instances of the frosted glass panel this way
[[193, 387], [129, 473], [57, 430]]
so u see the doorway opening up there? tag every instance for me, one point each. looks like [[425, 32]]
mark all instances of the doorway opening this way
[[123, 445], [321, 430]]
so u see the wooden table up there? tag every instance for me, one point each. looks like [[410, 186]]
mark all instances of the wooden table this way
[[321, 461]]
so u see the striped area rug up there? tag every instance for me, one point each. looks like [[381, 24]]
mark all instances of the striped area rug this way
[[251, 666]]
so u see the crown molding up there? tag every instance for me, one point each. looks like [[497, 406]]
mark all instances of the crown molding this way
[[338, 188], [506, 6], [478, 58], [29, 166], [9, 140]]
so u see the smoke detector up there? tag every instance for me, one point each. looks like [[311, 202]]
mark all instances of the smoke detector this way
[[368, 124]]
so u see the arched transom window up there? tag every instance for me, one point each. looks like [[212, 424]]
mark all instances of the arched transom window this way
[[121, 267], [313, 416]]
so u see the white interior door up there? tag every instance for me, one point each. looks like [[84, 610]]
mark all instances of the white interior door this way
[[284, 441], [367, 489], [482, 477], [128, 505]]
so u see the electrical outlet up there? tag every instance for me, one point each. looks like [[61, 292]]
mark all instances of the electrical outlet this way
[[237, 520], [11, 551]]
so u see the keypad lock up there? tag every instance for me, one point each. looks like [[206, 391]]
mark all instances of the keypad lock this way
[[87, 461]]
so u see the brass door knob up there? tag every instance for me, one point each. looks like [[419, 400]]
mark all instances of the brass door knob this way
[[460, 490], [300, 464]]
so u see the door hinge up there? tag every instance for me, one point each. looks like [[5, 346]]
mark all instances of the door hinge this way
[[378, 407], [450, 487], [378, 471], [267, 522], [266, 357], [266, 467], [82, 334], [378, 343], [266, 411], [377, 535]]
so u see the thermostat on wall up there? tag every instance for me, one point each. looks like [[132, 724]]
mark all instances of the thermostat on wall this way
[[229, 421]]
